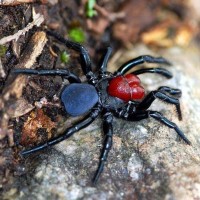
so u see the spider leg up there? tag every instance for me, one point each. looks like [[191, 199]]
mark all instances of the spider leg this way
[[140, 60], [171, 91], [106, 57], [85, 58], [137, 116], [108, 131], [70, 131], [49, 72], [159, 94], [159, 117], [160, 71]]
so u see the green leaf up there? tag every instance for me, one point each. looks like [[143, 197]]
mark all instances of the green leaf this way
[[89, 8]]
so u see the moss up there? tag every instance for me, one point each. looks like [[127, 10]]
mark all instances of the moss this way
[[77, 35], [2, 50], [64, 57]]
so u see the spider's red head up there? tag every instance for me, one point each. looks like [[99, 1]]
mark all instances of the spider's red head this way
[[126, 88]]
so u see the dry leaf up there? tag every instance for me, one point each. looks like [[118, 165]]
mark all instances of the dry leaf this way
[[168, 33], [36, 121]]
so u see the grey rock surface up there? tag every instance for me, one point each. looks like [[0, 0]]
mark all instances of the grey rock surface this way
[[147, 161]]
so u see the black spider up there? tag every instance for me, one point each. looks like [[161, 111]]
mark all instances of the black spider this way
[[115, 94]]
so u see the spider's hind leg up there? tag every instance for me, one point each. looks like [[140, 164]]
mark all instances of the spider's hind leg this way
[[172, 91], [140, 115], [86, 121], [159, 117], [161, 94]]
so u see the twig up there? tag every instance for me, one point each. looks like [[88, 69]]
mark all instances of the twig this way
[[38, 19], [32, 51], [2, 72], [17, 2], [112, 16], [14, 88]]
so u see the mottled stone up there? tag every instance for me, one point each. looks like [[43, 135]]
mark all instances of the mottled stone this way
[[148, 160]]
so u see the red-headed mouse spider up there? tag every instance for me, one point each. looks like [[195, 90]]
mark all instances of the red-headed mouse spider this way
[[110, 94]]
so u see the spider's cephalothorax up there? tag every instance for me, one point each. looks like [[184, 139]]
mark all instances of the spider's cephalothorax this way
[[119, 94]]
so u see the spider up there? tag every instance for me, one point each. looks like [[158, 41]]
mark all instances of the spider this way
[[110, 94]]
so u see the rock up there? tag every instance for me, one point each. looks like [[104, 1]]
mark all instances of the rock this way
[[148, 160]]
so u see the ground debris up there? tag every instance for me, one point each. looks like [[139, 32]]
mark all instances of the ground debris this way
[[104, 19], [37, 120], [20, 108], [13, 88], [138, 14], [167, 26], [38, 19], [169, 33], [18, 2]]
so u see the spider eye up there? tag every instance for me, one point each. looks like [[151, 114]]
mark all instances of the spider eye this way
[[79, 98]]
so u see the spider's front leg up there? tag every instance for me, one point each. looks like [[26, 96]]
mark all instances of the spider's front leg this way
[[161, 94], [72, 78], [85, 58], [139, 115], [160, 71], [105, 59], [140, 60], [108, 131]]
